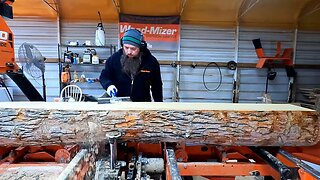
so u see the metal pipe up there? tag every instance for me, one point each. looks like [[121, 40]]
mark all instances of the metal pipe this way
[[49, 4], [285, 172], [112, 137], [172, 163], [291, 86], [176, 82], [300, 164], [113, 153], [183, 5], [116, 5], [236, 74], [246, 6]]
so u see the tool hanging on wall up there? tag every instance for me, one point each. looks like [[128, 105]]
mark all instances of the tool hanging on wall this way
[[267, 61], [271, 75], [286, 56], [100, 33]]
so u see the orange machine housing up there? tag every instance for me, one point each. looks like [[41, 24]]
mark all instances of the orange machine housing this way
[[7, 61]]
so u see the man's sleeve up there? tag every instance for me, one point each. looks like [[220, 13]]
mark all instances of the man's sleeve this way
[[106, 75], [156, 86]]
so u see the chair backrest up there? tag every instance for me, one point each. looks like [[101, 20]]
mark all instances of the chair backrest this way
[[71, 93]]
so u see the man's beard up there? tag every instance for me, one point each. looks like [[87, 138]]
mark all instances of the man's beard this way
[[130, 65]]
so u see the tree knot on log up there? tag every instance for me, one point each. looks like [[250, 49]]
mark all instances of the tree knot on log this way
[[16, 132], [130, 120], [188, 134]]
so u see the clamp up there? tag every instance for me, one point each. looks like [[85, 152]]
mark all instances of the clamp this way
[[112, 138]]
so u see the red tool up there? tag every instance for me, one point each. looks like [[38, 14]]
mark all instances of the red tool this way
[[286, 56]]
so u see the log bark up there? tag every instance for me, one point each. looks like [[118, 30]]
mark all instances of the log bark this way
[[47, 123]]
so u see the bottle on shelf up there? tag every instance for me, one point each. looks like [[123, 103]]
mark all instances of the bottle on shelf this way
[[83, 78], [75, 76], [68, 57], [87, 57], [95, 57]]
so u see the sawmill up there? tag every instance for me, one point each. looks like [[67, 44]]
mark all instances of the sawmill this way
[[160, 90]]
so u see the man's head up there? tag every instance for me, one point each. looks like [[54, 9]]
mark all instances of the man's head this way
[[132, 42]]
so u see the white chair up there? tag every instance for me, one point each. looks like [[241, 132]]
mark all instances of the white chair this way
[[71, 93]]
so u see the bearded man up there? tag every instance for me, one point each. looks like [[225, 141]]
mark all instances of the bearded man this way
[[133, 71]]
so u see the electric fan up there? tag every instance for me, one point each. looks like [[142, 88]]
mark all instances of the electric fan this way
[[33, 63]]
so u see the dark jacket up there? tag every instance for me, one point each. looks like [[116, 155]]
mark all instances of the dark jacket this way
[[147, 76]]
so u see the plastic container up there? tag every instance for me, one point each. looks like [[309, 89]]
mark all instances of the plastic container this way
[[100, 36]]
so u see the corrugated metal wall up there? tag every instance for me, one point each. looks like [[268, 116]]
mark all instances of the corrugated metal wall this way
[[42, 33], [198, 44], [206, 44], [252, 81], [201, 43], [168, 77], [192, 86], [308, 52], [308, 48]]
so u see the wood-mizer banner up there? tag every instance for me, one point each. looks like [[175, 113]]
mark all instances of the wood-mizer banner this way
[[160, 32]]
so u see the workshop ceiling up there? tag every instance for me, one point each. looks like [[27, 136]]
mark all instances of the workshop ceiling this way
[[265, 13]]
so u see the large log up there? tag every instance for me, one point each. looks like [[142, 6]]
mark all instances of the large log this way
[[44, 123]]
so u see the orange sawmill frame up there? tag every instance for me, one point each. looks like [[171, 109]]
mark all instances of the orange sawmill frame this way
[[226, 168], [209, 161]]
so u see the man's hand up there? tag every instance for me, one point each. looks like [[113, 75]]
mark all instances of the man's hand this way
[[112, 91]]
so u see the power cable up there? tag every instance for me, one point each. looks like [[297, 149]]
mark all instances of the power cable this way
[[220, 76]]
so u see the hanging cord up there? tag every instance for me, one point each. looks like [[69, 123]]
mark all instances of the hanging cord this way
[[220, 76], [5, 86]]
